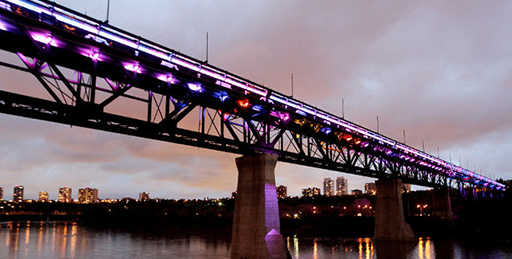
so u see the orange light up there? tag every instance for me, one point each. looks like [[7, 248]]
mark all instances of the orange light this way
[[243, 103]]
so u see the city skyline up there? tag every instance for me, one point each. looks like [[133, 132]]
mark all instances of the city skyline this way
[[436, 70], [87, 194]]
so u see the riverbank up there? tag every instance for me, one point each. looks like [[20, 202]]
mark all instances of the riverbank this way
[[346, 216]]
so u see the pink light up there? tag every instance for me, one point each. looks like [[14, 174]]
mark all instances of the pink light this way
[[25, 60], [134, 67], [166, 78], [44, 38], [48, 40], [94, 56]]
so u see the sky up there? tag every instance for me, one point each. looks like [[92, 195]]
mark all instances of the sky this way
[[440, 70]]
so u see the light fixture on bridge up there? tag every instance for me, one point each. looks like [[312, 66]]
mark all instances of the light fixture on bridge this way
[[45, 38], [283, 116], [3, 25], [257, 108], [92, 53], [95, 56], [168, 78], [243, 103], [195, 87], [300, 112], [134, 67], [5, 6], [326, 130], [223, 96]]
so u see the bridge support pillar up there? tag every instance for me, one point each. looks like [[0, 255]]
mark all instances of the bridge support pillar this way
[[256, 226], [390, 224], [441, 205]]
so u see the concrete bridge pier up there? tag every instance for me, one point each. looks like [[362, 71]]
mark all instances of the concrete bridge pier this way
[[390, 224], [256, 226], [441, 204]]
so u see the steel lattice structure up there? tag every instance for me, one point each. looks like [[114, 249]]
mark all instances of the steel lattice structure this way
[[91, 70]]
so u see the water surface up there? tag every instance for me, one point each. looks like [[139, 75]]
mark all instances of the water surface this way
[[72, 240]]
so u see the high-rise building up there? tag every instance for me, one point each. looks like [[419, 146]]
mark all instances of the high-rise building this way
[[370, 188], [87, 195], [17, 196], [341, 186], [65, 195], [43, 196], [356, 192], [310, 192], [1, 193], [282, 191], [144, 196], [328, 187]]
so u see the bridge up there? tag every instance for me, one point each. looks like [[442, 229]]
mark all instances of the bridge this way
[[90, 70]]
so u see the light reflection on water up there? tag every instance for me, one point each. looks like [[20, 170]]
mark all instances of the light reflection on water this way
[[19, 240], [366, 248], [34, 240]]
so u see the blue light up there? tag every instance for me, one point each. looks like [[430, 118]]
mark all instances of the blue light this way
[[257, 108], [223, 96], [326, 130]]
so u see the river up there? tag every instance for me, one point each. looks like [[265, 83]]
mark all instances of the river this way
[[70, 240]]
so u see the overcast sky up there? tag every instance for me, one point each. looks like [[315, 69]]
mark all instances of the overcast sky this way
[[440, 70]]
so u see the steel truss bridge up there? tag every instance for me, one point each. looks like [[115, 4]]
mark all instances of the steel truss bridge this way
[[101, 77]]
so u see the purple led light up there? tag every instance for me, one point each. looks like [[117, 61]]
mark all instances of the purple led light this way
[[90, 53], [45, 38], [3, 25], [134, 67], [95, 56], [25, 60], [168, 78], [112, 85]]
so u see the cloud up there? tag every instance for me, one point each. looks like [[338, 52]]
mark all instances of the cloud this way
[[439, 70]]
